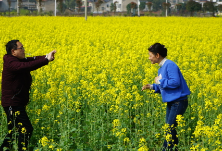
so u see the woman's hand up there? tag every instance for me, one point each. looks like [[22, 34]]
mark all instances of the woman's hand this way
[[156, 79], [148, 86]]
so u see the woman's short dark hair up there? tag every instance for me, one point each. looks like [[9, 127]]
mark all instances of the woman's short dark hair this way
[[11, 45], [158, 48]]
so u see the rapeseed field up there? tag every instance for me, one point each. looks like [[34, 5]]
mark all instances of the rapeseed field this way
[[90, 97]]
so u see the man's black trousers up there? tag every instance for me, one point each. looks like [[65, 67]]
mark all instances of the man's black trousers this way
[[18, 119]]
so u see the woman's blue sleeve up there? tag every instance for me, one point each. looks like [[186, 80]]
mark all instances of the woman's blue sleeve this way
[[173, 80], [156, 88]]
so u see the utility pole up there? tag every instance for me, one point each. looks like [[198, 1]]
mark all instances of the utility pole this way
[[138, 8], [86, 10], [55, 7], [17, 7], [166, 8]]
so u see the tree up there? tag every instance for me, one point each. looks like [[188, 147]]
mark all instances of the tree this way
[[79, 4], [61, 6], [133, 7], [149, 5], [70, 4], [209, 6], [181, 7], [156, 4], [128, 7], [98, 4], [39, 5], [166, 6], [219, 7], [113, 7], [193, 6], [9, 6], [178, 7], [142, 5], [19, 6]]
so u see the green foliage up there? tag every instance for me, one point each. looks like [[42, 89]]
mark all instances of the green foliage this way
[[149, 5], [12, 13], [79, 4], [193, 6], [49, 13], [129, 7], [166, 5], [157, 4], [98, 4], [178, 7], [133, 5], [113, 7], [24, 12], [183, 6], [34, 13], [142, 5], [209, 6], [71, 4], [61, 7], [219, 7]]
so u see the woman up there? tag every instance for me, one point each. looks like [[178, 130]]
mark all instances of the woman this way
[[172, 87]]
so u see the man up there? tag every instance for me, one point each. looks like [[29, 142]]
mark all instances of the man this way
[[16, 82]]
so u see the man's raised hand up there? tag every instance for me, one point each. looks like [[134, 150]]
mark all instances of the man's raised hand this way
[[50, 56]]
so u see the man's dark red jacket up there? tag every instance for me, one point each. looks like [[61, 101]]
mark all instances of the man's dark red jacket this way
[[17, 80]]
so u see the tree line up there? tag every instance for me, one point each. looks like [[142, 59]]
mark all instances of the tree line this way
[[190, 6]]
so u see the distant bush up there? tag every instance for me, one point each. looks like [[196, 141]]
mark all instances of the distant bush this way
[[50, 13], [24, 12], [34, 13]]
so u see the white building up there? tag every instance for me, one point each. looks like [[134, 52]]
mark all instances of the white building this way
[[4, 5], [120, 5], [26, 4], [105, 7]]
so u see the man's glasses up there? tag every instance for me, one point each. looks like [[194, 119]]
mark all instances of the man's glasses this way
[[21, 48]]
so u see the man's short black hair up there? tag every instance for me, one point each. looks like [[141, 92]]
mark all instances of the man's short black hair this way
[[11, 45], [158, 48]]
